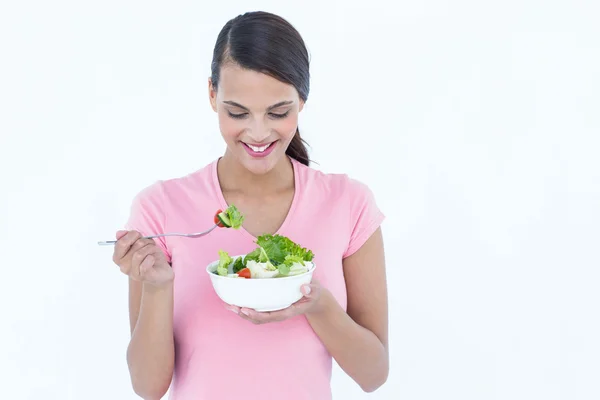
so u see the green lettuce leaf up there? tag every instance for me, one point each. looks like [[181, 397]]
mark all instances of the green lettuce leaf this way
[[224, 261], [284, 269], [238, 265], [290, 265], [279, 253], [264, 257], [254, 255], [296, 270], [235, 217], [290, 260], [279, 247], [270, 266]]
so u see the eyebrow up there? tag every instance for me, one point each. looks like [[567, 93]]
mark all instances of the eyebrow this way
[[281, 103]]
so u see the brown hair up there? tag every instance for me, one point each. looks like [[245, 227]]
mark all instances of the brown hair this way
[[266, 43]]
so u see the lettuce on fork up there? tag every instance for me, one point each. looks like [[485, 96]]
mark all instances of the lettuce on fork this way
[[274, 253], [230, 218]]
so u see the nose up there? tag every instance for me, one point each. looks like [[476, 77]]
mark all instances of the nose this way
[[258, 138], [258, 132]]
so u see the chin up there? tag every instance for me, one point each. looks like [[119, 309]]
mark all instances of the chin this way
[[260, 166]]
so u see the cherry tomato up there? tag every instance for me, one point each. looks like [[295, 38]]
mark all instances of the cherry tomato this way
[[217, 220], [244, 273]]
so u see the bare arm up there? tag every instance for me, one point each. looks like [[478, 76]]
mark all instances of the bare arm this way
[[358, 339], [151, 352]]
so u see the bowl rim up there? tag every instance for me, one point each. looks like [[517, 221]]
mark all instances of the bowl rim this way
[[211, 274]]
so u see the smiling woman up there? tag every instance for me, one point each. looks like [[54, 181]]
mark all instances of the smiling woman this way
[[258, 87]]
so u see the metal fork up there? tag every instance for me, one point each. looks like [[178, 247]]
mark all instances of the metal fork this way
[[190, 235]]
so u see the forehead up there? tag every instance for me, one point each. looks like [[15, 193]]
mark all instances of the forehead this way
[[252, 88]]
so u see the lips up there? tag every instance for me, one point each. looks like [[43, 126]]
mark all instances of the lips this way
[[259, 150]]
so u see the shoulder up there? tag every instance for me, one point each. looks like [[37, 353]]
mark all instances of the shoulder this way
[[347, 203], [332, 185], [170, 190]]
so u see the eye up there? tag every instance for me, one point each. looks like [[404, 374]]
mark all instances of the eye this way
[[279, 116], [237, 116]]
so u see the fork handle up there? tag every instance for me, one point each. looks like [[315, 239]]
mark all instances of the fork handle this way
[[112, 242], [107, 243]]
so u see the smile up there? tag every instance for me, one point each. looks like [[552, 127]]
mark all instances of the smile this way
[[261, 150]]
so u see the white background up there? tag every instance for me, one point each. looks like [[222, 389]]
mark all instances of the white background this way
[[475, 123]]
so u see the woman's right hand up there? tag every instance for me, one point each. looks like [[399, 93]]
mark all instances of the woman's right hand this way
[[141, 259]]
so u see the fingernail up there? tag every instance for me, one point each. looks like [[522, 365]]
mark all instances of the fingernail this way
[[233, 310], [306, 290], [245, 312]]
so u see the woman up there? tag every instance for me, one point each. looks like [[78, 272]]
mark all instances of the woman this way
[[183, 336]]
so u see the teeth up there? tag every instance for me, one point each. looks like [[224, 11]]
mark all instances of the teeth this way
[[259, 149]]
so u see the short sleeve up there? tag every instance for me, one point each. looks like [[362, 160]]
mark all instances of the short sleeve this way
[[365, 216], [147, 215]]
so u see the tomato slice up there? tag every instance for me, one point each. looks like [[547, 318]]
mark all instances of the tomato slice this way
[[244, 273], [217, 220]]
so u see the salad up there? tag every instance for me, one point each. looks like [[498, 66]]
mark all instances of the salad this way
[[276, 256], [230, 218]]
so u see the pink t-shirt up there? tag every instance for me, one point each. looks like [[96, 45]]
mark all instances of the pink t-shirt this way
[[218, 355]]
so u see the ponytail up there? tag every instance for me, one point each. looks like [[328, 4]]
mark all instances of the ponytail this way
[[297, 149]]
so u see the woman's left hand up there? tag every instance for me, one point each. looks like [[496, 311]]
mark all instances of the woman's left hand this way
[[310, 302]]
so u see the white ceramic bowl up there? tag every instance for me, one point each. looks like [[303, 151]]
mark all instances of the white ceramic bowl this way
[[268, 294]]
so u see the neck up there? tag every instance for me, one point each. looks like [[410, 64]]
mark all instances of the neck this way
[[233, 176]]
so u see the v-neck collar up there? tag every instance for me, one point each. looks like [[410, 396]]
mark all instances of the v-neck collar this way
[[223, 203]]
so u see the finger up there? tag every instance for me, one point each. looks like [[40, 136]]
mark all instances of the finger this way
[[126, 261], [311, 291], [306, 290], [140, 243], [158, 252], [248, 318], [232, 308], [302, 301], [124, 244], [120, 234], [264, 317], [139, 255], [146, 265], [133, 261]]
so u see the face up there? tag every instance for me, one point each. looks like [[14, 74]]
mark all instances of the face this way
[[258, 116]]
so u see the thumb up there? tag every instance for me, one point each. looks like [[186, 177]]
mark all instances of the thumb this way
[[310, 291], [121, 233]]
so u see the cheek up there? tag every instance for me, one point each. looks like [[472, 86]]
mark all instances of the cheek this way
[[230, 128], [287, 127]]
